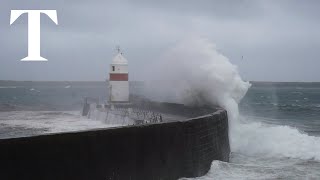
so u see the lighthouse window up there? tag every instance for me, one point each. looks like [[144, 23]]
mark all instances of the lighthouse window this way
[[113, 68]]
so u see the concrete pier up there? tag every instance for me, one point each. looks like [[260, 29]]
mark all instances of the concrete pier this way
[[168, 150]]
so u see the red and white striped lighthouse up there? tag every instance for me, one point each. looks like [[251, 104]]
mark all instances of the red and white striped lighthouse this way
[[119, 76]]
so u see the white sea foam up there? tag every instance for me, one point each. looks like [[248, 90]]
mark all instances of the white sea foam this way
[[281, 169], [274, 141], [33, 89], [50, 121]]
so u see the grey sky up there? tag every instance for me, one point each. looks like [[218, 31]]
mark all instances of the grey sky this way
[[279, 40]]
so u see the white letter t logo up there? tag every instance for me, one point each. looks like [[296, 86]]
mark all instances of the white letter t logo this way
[[34, 30]]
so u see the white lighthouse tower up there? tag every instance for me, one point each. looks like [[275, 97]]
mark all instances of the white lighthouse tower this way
[[119, 76]]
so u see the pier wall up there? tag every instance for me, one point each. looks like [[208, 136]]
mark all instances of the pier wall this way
[[164, 151]]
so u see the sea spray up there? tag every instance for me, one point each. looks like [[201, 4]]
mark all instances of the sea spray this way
[[261, 139], [195, 73]]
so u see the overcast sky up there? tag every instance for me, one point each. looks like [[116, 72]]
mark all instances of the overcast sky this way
[[279, 40]]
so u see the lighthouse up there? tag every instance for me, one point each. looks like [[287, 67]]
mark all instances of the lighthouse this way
[[118, 80]]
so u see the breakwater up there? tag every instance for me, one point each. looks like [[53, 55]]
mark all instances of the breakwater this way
[[167, 150]]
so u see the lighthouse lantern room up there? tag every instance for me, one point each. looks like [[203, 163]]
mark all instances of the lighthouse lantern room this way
[[119, 76]]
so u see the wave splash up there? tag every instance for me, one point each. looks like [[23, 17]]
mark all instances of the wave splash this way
[[197, 74], [274, 141]]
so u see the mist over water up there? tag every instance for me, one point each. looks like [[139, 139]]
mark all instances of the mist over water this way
[[195, 73]]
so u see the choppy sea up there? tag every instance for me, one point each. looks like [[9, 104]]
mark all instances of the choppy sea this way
[[278, 137]]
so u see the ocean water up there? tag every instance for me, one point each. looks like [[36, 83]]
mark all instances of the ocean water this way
[[34, 108], [277, 137]]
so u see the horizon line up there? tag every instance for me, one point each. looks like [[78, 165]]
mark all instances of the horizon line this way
[[254, 81]]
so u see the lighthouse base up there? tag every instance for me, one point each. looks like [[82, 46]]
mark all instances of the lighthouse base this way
[[119, 91]]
